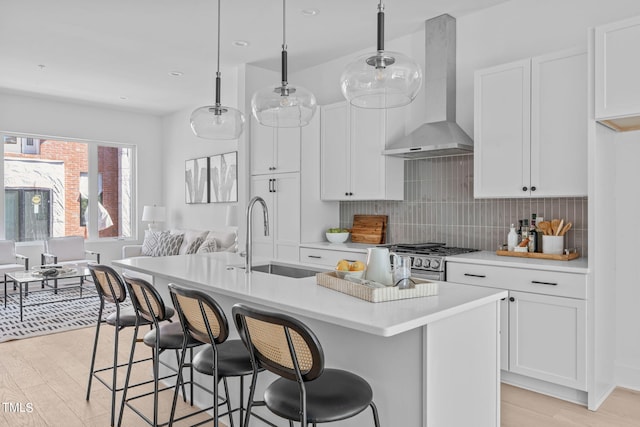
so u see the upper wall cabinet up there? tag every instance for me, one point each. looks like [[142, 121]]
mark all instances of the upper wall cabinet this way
[[617, 96], [352, 164], [530, 130], [274, 150]]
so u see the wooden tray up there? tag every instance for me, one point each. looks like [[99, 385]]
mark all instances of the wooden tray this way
[[369, 229], [563, 257], [423, 288]]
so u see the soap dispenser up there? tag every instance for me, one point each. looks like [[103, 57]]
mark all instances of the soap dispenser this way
[[512, 238]]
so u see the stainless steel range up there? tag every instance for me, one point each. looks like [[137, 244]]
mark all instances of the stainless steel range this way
[[427, 259]]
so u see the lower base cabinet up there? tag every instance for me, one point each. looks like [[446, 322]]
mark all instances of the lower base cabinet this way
[[542, 336], [547, 338]]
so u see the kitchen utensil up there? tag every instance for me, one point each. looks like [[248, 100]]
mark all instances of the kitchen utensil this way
[[379, 266], [554, 226], [559, 229], [566, 228], [545, 226]]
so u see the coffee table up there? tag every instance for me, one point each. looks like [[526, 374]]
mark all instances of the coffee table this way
[[21, 279]]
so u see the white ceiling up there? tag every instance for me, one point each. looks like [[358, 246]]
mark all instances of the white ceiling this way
[[100, 51]]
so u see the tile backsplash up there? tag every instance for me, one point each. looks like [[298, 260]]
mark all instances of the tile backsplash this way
[[439, 206]]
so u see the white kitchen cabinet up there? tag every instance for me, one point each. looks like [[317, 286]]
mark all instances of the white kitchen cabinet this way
[[352, 166], [617, 67], [328, 257], [530, 134], [274, 150], [543, 322], [281, 193], [547, 338]]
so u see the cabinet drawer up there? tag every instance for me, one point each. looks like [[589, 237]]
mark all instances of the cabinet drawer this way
[[329, 257], [519, 279]]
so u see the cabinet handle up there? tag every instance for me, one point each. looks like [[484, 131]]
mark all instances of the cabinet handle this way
[[512, 299], [274, 185], [524, 188], [346, 194], [502, 299], [533, 188], [535, 282], [351, 194], [270, 189], [482, 276], [314, 256]]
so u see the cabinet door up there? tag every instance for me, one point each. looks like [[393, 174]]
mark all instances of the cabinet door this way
[[559, 124], [262, 186], [617, 69], [334, 152], [502, 131], [367, 162], [547, 338], [286, 216], [287, 150], [262, 147]]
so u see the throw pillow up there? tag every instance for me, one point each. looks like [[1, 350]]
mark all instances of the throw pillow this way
[[209, 245], [195, 244], [168, 244], [150, 242]]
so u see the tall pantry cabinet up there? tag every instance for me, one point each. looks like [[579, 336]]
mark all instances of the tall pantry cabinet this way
[[285, 171]]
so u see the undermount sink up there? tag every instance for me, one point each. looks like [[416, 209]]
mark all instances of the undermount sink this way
[[286, 270]]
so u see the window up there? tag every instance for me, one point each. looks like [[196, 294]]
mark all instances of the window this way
[[59, 188]]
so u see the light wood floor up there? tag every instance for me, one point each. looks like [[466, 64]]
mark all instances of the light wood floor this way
[[50, 373]]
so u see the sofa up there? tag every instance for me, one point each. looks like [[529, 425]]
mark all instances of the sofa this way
[[183, 242]]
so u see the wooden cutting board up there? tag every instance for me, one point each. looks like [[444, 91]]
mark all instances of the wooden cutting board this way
[[369, 229]]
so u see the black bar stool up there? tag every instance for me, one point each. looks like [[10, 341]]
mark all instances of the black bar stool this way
[[307, 392], [204, 320], [111, 289], [149, 308]]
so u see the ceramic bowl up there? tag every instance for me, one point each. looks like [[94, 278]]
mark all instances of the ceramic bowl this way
[[337, 237]]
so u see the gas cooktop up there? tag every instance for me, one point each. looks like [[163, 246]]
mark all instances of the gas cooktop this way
[[430, 248]]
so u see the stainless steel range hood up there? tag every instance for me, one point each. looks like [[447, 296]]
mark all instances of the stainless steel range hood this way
[[440, 135]]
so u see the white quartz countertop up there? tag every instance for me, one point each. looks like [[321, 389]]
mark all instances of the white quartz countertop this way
[[578, 265], [216, 273], [345, 247]]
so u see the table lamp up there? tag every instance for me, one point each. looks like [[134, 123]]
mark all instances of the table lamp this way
[[153, 214]]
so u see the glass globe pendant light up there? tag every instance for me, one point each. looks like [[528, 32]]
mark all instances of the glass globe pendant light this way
[[382, 79], [217, 121], [283, 106]]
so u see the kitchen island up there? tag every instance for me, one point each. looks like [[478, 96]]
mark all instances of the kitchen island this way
[[431, 361]]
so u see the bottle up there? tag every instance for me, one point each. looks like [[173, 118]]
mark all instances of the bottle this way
[[524, 233], [519, 231], [512, 238], [533, 235], [539, 234]]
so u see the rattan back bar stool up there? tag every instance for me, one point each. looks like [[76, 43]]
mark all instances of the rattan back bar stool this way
[[203, 319], [164, 335], [307, 392], [111, 289]]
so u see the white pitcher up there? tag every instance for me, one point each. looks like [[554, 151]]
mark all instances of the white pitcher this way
[[379, 266]]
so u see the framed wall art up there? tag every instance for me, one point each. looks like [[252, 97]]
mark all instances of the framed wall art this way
[[223, 177], [196, 180]]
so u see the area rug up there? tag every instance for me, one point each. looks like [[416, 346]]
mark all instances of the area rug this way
[[57, 315]]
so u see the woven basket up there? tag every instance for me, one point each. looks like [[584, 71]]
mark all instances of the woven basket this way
[[423, 288]]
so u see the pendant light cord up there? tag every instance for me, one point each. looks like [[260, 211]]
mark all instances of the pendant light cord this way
[[284, 47], [380, 26], [218, 67]]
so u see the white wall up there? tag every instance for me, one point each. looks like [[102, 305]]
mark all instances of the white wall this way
[[57, 118]]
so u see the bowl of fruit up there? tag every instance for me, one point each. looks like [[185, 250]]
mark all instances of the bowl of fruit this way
[[346, 269], [337, 235]]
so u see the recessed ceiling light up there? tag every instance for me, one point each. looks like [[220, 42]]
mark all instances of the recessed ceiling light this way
[[42, 67], [176, 73], [124, 98], [241, 43], [310, 12]]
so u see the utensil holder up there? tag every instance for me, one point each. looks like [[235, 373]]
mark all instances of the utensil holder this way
[[552, 245]]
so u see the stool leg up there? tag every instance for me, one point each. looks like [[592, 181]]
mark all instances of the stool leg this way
[[95, 347], [128, 376], [376, 421], [156, 376], [241, 397], [178, 380], [252, 389], [114, 383], [184, 393], [226, 393]]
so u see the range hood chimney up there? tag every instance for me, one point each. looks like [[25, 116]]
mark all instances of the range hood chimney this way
[[440, 135]]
